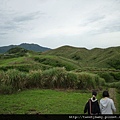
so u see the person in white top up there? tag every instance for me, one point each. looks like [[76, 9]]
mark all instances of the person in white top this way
[[106, 104]]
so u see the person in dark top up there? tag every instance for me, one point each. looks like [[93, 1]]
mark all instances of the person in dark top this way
[[92, 105]]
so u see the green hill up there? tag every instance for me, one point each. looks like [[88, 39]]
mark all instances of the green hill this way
[[64, 67], [71, 58], [16, 52], [25, 60], [101, 58]]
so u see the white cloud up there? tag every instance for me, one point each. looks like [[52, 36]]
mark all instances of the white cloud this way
[[54, 23]]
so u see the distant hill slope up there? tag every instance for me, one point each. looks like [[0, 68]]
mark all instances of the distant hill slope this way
[[33, 47], [97, 57]]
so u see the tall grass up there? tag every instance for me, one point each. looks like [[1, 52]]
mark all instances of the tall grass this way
[[54, 78], [114, 85], [71, 80], [14, 80], [34, 79], [89, 81]]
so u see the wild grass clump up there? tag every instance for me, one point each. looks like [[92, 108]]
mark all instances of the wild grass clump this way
[[116, 75], [71, 80], [86, 80], [114, 85], [6, 89], [34, 79], [60, 78], [54, 78], [107, 76], [14, 80]]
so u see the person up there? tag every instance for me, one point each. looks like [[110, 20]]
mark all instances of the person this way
[[106, 104], [92, 105]]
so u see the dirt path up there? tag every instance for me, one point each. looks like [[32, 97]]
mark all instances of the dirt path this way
[[112, 92]]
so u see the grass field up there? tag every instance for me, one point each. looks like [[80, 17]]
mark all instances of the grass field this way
[[44, 102]]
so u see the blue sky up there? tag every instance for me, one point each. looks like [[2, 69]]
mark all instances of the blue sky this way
[[54, 23]]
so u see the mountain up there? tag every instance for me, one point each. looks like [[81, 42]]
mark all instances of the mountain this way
[[33, 47], [97, 57], [68, 57]]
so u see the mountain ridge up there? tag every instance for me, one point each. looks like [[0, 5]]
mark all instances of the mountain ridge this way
[[66, 56], [28, 46], [97, 57]]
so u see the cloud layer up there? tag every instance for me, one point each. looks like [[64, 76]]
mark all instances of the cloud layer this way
[[52, 23]]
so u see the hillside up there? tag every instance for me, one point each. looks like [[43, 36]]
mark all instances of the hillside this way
[[71, 58], [64, 67], [26, 60], [97, 57], [33, 47]]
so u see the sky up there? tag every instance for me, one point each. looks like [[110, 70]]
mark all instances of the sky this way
[[55, 23]]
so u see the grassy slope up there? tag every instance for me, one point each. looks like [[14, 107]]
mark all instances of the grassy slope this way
[[88, 58], [66, 56], [43, 102], [45, 61], [22, 63], [56, 61], [46, 102]]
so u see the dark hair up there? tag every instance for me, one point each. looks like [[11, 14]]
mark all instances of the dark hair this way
[[94, 93], [105, 94]]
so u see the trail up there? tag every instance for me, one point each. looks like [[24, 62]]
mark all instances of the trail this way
[[112, 92]]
